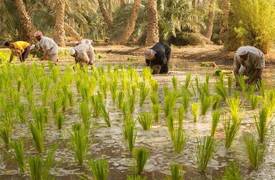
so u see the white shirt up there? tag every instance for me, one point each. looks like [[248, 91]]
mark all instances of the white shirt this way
[[48, 45]]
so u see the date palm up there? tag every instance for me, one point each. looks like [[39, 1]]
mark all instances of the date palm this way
[[152, 26]]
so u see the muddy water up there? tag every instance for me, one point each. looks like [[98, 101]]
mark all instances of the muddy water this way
[[108, 142]]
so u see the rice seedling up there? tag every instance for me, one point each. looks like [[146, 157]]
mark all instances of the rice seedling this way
[[229, 84], [181, 112], [205, 103], [216, 102], [40, 168], [131, 102], [231, 128], [146, 120], [136, 177], [176, 172], [205, 151], [170, 123], [154, 85], [187, 81], [186, 96], [97, 100], [120, 99], [79, 138], [40, 115], [5, 134], [262, 124], [215, 120], [179, 139], [141, 156], [255, 151], [85, 113], [143, 93], [169, 103], [100, 169], [129, 132], [232, 172], [156, 112], [175, 83], [59, 119], [21, 112], [103, 86], [18, 148], [221, 89], [37, 136], [105, 114], [113, 89], [195, 111], [154, 97], [241, 83], [254, 101]]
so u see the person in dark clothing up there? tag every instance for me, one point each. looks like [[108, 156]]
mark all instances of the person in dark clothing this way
[[158, 58]]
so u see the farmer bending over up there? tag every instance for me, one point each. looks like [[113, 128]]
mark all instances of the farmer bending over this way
[[20, 49], [47, 46], [249, 61], [83, 53], [158, 58]]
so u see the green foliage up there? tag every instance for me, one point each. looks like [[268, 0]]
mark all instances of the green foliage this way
[[215, 120], [232, 172], [221, 89], [205, 101], [146, 120], [18, 147], [205, 151], [176, 172], [262, 124], [59, 119], [37, 136], [136, 177], [80, 142], [254, 101], [129, 132], [5, 134], [144, 92], [195, 111], [156, 112], [255, 151], [100, 169], [179, 139], [141, 156], [256, 20]]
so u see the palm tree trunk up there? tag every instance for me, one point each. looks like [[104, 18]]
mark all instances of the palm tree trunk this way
[[25, 20], [59, 30], [131, 24], [152, 26], [70, 31], [107, 18], [211, 18], [225, 14]]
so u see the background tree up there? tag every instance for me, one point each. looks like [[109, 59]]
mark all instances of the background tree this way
[[152, 26], [59, 28]]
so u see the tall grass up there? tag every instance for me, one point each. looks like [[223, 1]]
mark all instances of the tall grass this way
[[205, 151], [179, 139], [80, 142], [100, 169], [215, 120], [146, 120], [18, 148], [262, 124], [232, 172], [255, 151], [141, 156], [195, 111]]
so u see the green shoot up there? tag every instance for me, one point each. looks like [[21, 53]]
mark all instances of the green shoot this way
[[178, 139], [136, 177], [185, 98], [170, 123], [181, 112], [18, 147], [80, 142], [120, 99], [195, 111], [5, 134], [154, 97], [220, 88], [144, 91], [254, 101], [105, 114], [215, 120], [129, 132], [255, 151], [146, 120], [187, 81], [85, 113], [100, 169], [176, 172], [205, 103], [175, 83], [232, 172], [37, 136], [262, 124], [156, 112], [141, 156], [205, 151], [59, 119], [230, 128]]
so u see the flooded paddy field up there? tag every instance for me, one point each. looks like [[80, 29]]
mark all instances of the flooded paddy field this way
[[109, 143]]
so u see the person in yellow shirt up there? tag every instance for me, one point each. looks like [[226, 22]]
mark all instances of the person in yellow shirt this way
[[20, 49]]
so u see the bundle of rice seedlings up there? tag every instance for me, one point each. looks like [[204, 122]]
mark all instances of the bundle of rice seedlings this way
[[229, 84], [170, 123], [176, 172], [156, 112], [143, 93], [255, 151], [169, 102], [262, 124], [146, 120], [100, 169], [216, 102], [141, 156], [154, 97], [186, 97], [179, 139], [205, 151], [80, 142], [232, 172], [37, 132], [206, 101], [129, 132], [120, 99], [181, 112], [18, 148], [195, 111], [215, 120], [85, 113]]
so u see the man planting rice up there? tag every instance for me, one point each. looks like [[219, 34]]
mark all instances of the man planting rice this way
[[83, 52], [158, 58], [20, 49], [47, 46], [249, 61]]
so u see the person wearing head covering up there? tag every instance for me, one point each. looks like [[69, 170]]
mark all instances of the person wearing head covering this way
[[48, 46], [83, 53], [249, 61], [157, 58], [20, 49]]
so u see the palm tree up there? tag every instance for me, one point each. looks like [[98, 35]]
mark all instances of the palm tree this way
[[59, 33], [211, 18], [152, 26], [131, 23], [107, 17], [25, 19], [225, 7]]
